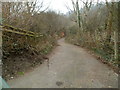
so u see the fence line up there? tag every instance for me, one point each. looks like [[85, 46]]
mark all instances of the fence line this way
[[11, 29]]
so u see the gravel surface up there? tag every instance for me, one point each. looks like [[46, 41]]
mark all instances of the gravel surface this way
[[69, 67]]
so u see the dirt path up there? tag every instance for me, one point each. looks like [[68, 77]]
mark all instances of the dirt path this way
[[70, 67]]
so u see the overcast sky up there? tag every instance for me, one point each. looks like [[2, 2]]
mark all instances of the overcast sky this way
[[60, 5]]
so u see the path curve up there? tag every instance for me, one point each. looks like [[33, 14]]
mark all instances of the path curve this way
[[70, 67]]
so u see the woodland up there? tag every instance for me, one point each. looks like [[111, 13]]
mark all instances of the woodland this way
[[30, 32]]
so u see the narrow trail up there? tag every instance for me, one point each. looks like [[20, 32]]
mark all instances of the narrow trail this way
[[70, 67]]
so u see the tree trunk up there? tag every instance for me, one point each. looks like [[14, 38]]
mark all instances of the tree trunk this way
[[110, 20], [116, 45]]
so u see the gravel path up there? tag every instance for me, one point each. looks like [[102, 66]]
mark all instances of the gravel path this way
[[70, 67]]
